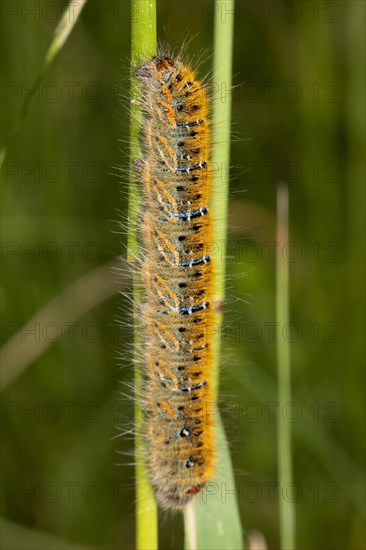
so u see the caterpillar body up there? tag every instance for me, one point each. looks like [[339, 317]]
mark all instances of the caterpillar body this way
[[177, 274]]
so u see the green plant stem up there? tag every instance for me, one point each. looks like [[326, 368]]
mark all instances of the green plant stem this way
[[284, 447], [143, 48], [221, 126]]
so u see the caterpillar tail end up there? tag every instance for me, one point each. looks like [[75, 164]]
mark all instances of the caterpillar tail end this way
[[170, 500]]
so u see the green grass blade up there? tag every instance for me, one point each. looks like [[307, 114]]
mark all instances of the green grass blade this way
[[284, 447], [223, 530], [143, 47], [213, 521], [61, 34], [221, 137], [15, 536], [63, 29], [70, 305]]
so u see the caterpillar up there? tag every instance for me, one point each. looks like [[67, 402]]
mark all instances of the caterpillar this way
[[177, 275]]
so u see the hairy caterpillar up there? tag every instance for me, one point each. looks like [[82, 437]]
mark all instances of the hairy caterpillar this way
[[178, 277]]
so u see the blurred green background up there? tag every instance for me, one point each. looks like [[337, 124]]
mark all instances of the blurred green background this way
[[298, 117]]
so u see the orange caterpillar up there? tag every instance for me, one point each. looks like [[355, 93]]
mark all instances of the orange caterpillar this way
[[177, 274]]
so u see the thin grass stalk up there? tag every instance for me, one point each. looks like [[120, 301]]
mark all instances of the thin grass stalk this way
[[284, 445], [221, 131], [143, 47], [70, 305], [64, 27]]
